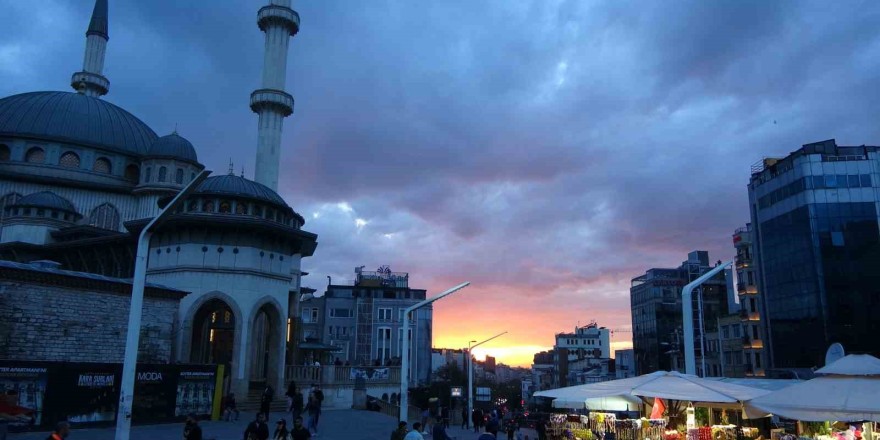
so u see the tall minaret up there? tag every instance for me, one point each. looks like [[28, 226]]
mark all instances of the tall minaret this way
[[90, 81], [271, 102]]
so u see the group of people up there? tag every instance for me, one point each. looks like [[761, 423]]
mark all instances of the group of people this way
[[492, 423], [417, 433]]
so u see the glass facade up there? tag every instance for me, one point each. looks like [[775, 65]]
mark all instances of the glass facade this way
[[818, 252]]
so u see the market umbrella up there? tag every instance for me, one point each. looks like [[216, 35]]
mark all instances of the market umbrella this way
[[846, 390], [670, 385]]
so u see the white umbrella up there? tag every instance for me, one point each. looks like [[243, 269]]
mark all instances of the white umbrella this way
[[669, 385], [848, 390]]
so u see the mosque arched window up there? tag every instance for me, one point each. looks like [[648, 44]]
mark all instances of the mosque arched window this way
[[102, 165], [258, 210], [69, 160], [241, 208], [5, 153], [149, 175], [7, 201], [192, 206], [105, 217], [35, 155], [179, 177], [162, 174], [208, 206], [132, 173], [225, 207]]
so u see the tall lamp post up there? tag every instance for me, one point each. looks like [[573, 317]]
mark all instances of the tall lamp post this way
[[687, 308], [471, 371], [404, 367], [133, 334]]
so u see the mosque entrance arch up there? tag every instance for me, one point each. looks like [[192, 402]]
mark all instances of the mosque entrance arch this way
[[213, 335], [266, 338]]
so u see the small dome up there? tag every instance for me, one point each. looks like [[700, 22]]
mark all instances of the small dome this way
[[45, 199], [173, 146], [235, 186], [74, 118]]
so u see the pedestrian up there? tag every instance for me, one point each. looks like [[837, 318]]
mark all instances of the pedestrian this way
[[493, 426], [299, 432], [257, 430], [229, 407], [291, 392], [541, 428], [464, 418], [426, 419], [477, 418], [486, 436], [511, 429], [444, 416], [416, 433], [62, 430], [281, 432], [192, 430], [297, 407], [266, 400], [400, 432], [319, 397], [312, 414], [439, 432]]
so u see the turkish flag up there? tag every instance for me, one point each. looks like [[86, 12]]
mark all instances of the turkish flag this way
[[658, 409]]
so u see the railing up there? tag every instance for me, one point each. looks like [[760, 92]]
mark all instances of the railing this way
[[341, 375]]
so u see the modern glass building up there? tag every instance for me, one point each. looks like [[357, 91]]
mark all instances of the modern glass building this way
[[817, 248]]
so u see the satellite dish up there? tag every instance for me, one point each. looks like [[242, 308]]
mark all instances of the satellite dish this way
[[835, 353]]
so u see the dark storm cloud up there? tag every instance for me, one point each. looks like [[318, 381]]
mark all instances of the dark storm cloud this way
[[549, 151]]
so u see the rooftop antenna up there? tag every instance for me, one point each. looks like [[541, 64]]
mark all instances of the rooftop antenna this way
[[175, 128], [231, 168], [242, 171]]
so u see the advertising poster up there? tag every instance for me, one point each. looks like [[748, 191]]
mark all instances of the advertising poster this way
[[92, 393], [154, 390], [22, 394], [195, 391]]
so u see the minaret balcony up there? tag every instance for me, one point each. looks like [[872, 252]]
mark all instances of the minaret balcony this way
[[278, 15], [269, 99], [90, 80]]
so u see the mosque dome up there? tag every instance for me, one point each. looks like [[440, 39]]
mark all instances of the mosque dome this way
[[235, 186], [173, 146], [74, 118], [46, 199]]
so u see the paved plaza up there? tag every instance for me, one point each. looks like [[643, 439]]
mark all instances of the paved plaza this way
[[334, 424]]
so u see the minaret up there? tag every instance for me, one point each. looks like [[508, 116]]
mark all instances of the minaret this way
[[90, 81], [271, 102]]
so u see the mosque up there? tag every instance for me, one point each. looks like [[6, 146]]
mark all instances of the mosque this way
[[80, 177]]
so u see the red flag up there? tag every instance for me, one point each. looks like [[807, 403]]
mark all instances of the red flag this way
[[658, 409]]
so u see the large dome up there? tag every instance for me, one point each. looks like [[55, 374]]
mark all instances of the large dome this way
[[232, 185], [46, 199], [74, 118], [173, 146]]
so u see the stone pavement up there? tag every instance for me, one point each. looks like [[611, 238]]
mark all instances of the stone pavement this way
[[334, 424]]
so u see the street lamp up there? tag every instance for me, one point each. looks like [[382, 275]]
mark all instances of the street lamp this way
[[133, 334], [687, 308], [404, 367], [471, 371]]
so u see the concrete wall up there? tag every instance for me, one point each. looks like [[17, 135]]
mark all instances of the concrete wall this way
[[42, 322]]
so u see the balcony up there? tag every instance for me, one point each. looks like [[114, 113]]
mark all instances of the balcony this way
[[331, 375], [742, 262], [752, 343]]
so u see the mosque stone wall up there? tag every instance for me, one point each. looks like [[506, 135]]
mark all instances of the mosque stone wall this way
[[49, 323]]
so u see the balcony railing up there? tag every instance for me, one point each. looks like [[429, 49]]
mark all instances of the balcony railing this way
[[333, 375]]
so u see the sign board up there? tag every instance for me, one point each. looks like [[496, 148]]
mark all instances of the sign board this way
[[455, 391], [483, 394]]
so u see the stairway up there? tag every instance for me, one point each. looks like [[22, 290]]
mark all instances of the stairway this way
[[252, 402]]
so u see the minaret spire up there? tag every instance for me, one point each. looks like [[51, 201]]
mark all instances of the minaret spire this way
[[271, 102], [90, 80]]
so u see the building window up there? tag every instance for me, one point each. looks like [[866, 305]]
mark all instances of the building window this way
[[736, 331], [725, 331], [105, 217], [35, 155], [4, 153], [162, 174], [208, 206], [178, 178], [132, 173], [757, 360], [340, 313], [240, 208], [310, 315], [383, 345], [385, 314], [225, 207], [102, 165], [400, 343], [149, 175], [69, 160]]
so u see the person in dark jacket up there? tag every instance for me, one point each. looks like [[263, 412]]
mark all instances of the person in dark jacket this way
[[297, 407], [62, 430], [299, 432], [493, 426], [257, 430], [291, 392], [464, 418], [281, 432], [266, 400], [400, 432], [192, 430], [439, 432]]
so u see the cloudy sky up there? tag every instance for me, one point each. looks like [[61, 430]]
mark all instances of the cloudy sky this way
[[548, 151]]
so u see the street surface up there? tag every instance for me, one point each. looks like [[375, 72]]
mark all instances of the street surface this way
[[334, 425]]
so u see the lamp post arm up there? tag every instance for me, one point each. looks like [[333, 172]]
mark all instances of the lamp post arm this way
[[687, 308], [471, 371]]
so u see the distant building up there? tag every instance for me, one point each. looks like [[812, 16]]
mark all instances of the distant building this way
[[543, 371], [817, 248], [724, 348], [750, 301], [655, 301], [362, 322], [582, 356], [441, 357], [625, 363]]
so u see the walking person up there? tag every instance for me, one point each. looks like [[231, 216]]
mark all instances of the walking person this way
[[291, 392], [400, 432], [312, 414], [299, 432], [297, 407], [416, 433], [266, 400], [192, 430], [229, 407], [257, 430], [464, 418], [319, 397], [62, 430], [281, 432], [511, 429], [439, 432], [444, 416]]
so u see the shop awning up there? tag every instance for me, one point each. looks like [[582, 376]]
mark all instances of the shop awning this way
[[846, 390], [664, 384]]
